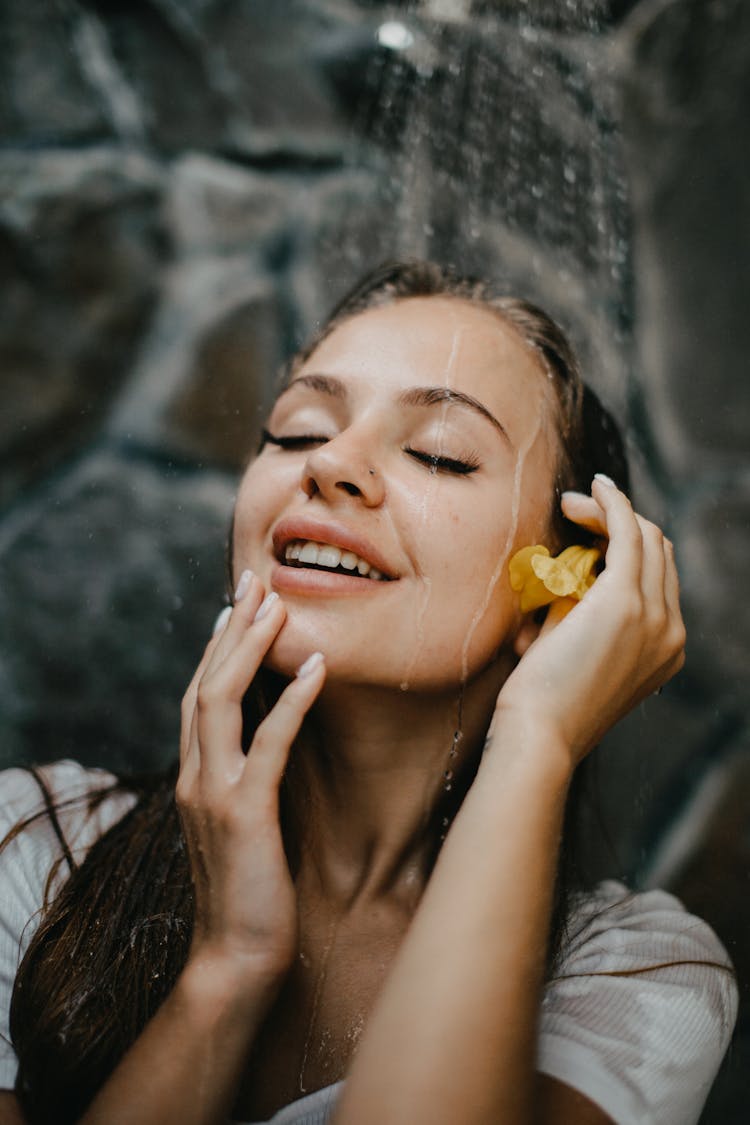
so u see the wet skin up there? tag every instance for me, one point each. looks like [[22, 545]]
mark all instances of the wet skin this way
[[441, 537], [368, 477]]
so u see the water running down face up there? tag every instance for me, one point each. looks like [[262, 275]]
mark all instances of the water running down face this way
[[417, 438]]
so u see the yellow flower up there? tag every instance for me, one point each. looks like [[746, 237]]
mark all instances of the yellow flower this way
[[540, 579]]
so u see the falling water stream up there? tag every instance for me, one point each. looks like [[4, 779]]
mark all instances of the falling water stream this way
[[495, 139], [424, 516], [495, 147]]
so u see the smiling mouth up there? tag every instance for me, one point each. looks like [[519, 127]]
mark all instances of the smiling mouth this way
[[323, 556]]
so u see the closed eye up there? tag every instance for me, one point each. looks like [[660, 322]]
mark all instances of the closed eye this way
[[438, 464], [294, 441], [434, 463]]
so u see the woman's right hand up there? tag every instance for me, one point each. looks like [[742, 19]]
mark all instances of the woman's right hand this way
[[245, 902]]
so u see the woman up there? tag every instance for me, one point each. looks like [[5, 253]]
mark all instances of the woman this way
[[377, 751]]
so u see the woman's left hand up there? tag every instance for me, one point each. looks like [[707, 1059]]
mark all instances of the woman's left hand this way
[[617, 646]]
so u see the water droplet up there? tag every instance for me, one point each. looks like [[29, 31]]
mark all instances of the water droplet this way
[[448, 775], [404, 685], [448, 786]]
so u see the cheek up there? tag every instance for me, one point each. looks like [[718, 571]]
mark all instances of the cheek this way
[[247, 518], [468, 607], [477, 611], [257, 507]]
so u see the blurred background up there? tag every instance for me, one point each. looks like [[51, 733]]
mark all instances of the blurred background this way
[[186, 186]]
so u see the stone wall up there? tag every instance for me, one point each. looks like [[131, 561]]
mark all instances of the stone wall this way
[[184, 190]]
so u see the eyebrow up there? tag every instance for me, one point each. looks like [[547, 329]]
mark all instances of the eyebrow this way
[[415, 396], [430, 396]]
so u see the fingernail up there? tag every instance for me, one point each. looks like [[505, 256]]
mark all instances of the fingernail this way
[[605, 479], [266, 606], [243, 585], [310, 664], [222, 619], [572, 492]]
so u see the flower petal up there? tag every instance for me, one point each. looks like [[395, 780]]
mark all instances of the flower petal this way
[[534, 593], [520, 565], [581, 562], [540, 579]]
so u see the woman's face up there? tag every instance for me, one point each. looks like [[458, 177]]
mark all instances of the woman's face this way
[[418, 438]]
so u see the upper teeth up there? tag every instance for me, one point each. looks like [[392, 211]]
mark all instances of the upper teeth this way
[[322, 554]]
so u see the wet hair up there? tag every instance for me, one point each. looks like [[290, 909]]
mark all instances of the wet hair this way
[[113, 941]]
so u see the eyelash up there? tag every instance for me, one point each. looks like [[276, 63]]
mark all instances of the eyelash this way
[[434, 463], [445, 464]]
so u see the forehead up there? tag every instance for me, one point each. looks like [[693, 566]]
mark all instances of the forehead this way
[[436, 341]]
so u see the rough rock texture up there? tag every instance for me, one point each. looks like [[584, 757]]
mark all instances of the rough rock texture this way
[[117, 572], [81, 240], [201, 382], [185, 188], [686, 92], [46, 97], [713, 530]]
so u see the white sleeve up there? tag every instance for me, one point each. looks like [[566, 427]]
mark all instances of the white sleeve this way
[[28, 860], [641, 1008]]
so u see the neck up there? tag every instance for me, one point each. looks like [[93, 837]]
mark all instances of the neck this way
[[369, 779]]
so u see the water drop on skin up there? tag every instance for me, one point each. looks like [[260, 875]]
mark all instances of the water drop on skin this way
[[425, 592], [505, 551]]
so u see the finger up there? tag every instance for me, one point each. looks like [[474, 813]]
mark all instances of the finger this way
[[227, 629], [269, 751], [251, 594], [584, 510], [215, 645], [223, 686], [189, 758], [625, 549], [652, 567], [558, 610], [671, 581], [188, 699], [222, 620], [675, 624], [230, 672]]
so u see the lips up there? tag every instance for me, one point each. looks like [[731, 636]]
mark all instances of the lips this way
[[331, 534]]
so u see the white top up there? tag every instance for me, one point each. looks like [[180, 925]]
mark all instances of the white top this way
[[645, 1046]]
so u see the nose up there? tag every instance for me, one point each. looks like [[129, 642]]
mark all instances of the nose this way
[[342, 467]]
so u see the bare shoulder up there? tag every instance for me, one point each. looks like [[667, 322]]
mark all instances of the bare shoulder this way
[[10, 1111], [559, 1104]]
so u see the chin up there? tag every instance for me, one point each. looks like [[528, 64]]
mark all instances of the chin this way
[[286, 655]]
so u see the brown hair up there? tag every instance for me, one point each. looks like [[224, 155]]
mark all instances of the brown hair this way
[[114, 940]]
